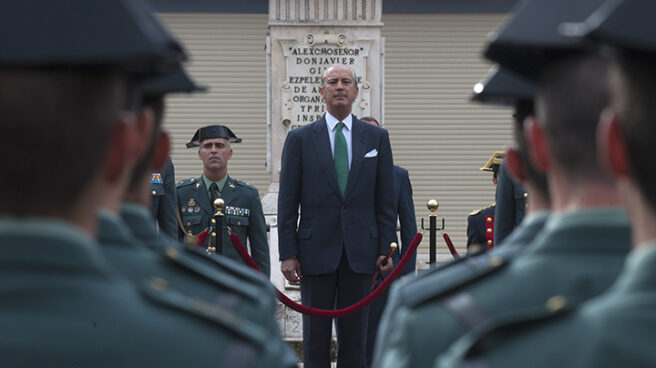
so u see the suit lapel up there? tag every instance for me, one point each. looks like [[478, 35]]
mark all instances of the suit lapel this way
[[358, 145], [321, 143]]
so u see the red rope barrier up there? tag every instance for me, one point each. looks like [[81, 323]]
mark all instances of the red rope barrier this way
[[236, 243], [449, 245]]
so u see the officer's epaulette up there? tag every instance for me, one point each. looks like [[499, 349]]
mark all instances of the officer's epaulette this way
[[238, 270], [179, 256], [243, 184], [555, 307], [157, 290], [185, 182], [476, 212], [439, 282]]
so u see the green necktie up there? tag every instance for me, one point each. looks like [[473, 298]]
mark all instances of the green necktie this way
[[341, 158], [214, 193]]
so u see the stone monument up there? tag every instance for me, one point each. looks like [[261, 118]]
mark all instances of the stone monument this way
[[305, 37]]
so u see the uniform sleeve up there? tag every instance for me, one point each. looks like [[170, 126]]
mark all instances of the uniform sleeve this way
[[257, 237], [408, 222], [166, 212]]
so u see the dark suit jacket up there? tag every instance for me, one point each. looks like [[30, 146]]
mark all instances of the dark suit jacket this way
[[405, 208], [163, 204], [511, 205], [362, 222]]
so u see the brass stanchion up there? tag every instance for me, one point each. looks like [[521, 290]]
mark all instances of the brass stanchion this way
[[215, 245], [432, 206]]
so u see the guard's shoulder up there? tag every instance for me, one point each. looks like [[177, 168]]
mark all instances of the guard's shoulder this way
[[186, 182], [476, 212], [243, 184], [184, 259], [229, 266], [157, 290], [553, 309], [441, 281]]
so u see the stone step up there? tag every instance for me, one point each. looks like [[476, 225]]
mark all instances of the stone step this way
[[297, 346]]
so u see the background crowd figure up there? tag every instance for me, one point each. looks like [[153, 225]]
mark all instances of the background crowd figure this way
[[108, 265]]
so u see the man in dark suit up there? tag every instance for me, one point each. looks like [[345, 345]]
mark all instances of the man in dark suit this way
[[405, 208], [163, 204], [338, 169]]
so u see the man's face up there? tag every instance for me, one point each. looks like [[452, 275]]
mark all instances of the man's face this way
[[215, 153], [339, 89]]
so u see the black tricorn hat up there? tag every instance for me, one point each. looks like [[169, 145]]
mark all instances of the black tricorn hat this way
[[624, 24], [98, 33], [503, 87], [176, 81], [530, 40], [212, 131]]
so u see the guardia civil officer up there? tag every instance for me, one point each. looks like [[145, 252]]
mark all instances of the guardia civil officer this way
[[616, 329], [243, 211], [71, 94], [480, 223], [582, 246]]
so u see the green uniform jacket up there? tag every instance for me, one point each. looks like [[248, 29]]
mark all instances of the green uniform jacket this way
[[443, 280], [577, 255], [196, 283], [243, 215], [64, 305], [613, 330], [234, 277]]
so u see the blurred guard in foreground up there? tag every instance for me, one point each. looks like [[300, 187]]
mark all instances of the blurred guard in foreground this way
[[618, 328], [582, 246], [72, 94]]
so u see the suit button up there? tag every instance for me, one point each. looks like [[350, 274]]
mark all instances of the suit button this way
[[489, 230], [214, 235], [489, 242], [188, 223], [488, 219], [154, 192]]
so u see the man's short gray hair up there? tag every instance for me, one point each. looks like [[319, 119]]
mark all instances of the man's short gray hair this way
[[325, 72]]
